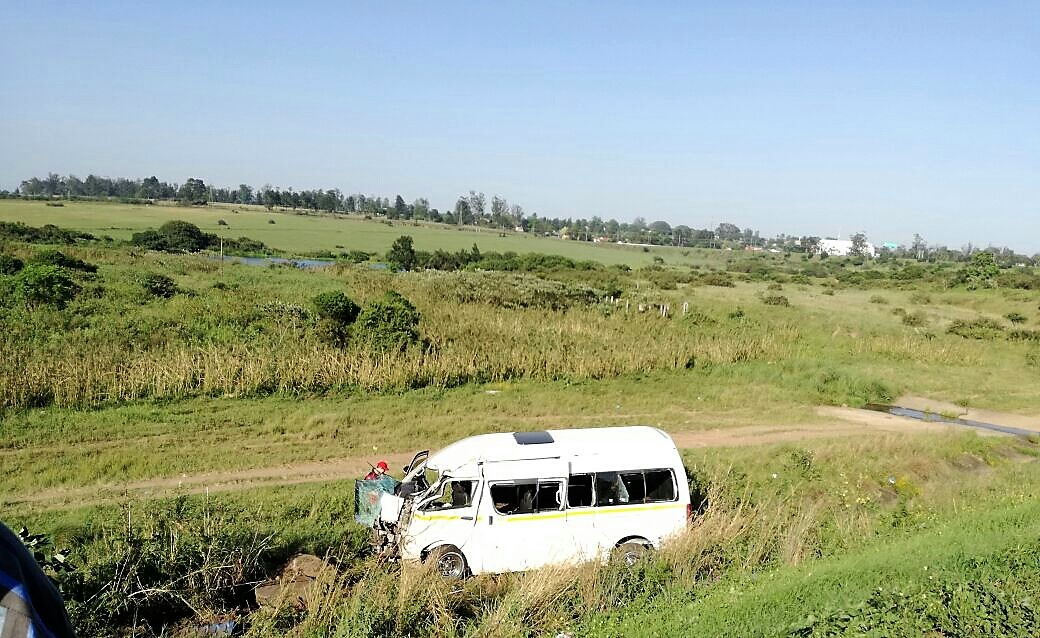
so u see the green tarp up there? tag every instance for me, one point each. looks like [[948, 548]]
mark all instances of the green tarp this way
[[366, 498]]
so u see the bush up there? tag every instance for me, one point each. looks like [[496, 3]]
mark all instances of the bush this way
[[718, 279], [336, 306], [1015, 317], [1024, 335], [174, 236], [9, 264], [389, 324], [916, 318], [356, 256], [158, 285], [46, 234], [60, 259], [982, 328], [44, 284], [776, 300], [270, 221], [336, 313], [221, 222], [775, 286], [878, 299]]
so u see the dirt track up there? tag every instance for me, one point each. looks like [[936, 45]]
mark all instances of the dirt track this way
[[840, 422]]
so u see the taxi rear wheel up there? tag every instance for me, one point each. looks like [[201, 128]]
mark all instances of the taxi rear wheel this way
[[631, 553]]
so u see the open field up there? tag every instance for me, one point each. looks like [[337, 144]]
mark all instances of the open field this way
[[185, 444], [303, 233]]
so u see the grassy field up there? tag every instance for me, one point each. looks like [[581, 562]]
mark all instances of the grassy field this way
[[300, 234], [122, 408]]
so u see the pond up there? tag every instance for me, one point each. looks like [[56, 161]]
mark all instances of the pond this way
[[298, 262]]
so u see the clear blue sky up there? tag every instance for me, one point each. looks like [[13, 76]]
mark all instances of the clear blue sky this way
[[807, 118]]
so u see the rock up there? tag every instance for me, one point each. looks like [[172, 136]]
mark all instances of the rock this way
[[292, 583]]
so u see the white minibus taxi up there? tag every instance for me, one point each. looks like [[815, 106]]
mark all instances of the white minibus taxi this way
[[511, 502]]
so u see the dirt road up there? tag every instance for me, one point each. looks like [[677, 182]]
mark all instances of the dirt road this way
[[839, 422]]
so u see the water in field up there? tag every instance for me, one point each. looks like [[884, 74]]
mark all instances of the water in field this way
[[921, 415], [298, 262]]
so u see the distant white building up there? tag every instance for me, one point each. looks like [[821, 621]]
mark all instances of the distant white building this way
[[843, 248]]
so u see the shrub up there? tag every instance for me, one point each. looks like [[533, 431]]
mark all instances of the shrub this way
[[356, 256], [46, 234], [270, 221], [60, 259], [9, 264], [717, 279], [336, 306], [388, 324], [44, 284], [221, 222], [336, 313], [158, 285], [878, 299], [981, 328], [1024, 335], [664, 280], [916, 318], [181, 235], [775, 286], [776, 300], [174, 236], [1015, 317]]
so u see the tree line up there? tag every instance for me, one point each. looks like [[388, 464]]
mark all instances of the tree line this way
[[474, 209]]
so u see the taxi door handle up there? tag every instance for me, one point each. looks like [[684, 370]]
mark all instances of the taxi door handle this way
[[466, 518]]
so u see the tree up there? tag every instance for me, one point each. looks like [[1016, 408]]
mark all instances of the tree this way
[[982, 271], [421, 208], [400, 209], [859, 245], [463, 214], [727, 232], [476, 203], [402, 254], [244, 195], [194, 192]]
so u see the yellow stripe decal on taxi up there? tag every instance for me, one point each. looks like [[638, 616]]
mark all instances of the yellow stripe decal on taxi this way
[[590, 511], [435, 517]]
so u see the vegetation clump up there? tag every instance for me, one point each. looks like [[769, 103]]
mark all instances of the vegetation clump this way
[[776, 300], [10, 264], [178, 236], [1015, 317], [336, 314], [46, 234], [387, 325], [982, 328], [158, 285], [58, 258], [44, 284]]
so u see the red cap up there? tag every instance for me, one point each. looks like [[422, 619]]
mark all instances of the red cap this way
[[383, 466]]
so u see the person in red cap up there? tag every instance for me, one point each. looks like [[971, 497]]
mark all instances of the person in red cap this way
[[379, 470]]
